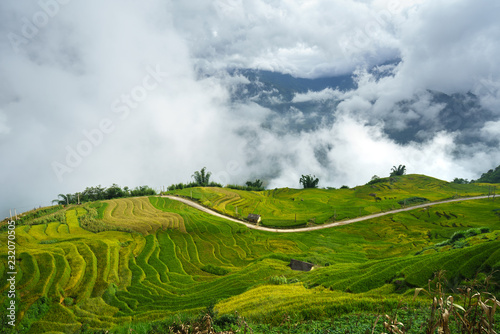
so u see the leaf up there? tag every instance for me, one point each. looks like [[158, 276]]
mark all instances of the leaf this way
[[459, 307], [418, 290]]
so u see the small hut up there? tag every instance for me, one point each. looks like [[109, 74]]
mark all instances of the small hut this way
[[253, 218], [300, 265]]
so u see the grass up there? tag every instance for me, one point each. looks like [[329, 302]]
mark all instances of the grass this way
[[170, 258]]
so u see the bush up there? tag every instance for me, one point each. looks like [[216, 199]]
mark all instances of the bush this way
[[142, 191], [412, 200], [457, 236], [460, 181], [244, 188], [377, 180], [278, 280], [51, 241], [460, 244], [181, 185], [484, 230], [225, 321], [68, 301], [211, 269], [456, 240]]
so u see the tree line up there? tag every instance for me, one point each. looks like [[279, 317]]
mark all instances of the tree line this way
[[202, 179], [491, 176], [91, 194]]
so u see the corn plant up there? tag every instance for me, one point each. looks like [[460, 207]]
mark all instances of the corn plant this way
[[474, 316]]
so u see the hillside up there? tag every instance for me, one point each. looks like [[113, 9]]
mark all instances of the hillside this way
[[300, 207], [150, 258]]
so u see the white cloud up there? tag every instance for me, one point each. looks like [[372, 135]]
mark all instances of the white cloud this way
[[68, 76], [325, 94], [491, 130]]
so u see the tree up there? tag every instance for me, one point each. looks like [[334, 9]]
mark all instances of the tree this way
[[202, 177], [114, 192], [256, 184], [309, 181], [400, 170], [91, 194], [61, 199], [64, 199], [492, 176], [460, 181], [142, 191]]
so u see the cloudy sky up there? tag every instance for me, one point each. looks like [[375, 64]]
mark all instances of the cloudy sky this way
[[138, 93]]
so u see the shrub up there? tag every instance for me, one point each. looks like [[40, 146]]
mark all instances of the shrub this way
[[460, 244], [460, 181], [181, 185], [484, 230], [51, 241], [457, 236], [377, 180], [472, 232], [68, 301], [225, 321], [142, 191], [211, 269], [412, 200], [278, 280], [456, 240], [245, 188]]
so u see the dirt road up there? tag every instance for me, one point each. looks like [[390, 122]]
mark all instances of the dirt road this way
[[319, 227]]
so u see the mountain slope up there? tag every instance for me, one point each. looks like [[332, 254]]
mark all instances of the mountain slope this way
[[171, 258]]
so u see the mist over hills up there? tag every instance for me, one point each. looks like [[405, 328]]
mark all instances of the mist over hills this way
[[458, 113]]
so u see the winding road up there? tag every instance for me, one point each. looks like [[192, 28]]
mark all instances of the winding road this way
[[319, 227]]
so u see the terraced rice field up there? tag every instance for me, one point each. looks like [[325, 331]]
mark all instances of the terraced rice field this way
[[308, 207], [139, 215], [167, 265]]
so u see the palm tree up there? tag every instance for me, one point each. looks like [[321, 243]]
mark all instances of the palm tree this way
[[63, 200], [400, 170], [309, 181]]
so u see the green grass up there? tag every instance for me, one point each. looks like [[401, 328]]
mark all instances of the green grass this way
[[173, 258]]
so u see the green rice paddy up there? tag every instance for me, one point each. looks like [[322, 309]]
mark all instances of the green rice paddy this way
[[174, 258]]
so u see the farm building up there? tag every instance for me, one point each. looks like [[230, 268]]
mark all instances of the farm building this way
[[253, 218], [300, 265]]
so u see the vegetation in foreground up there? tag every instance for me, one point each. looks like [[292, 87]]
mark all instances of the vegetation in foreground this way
[[170, 259], [474, 312]]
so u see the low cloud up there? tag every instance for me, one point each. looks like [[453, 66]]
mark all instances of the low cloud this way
[[87, 66]]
